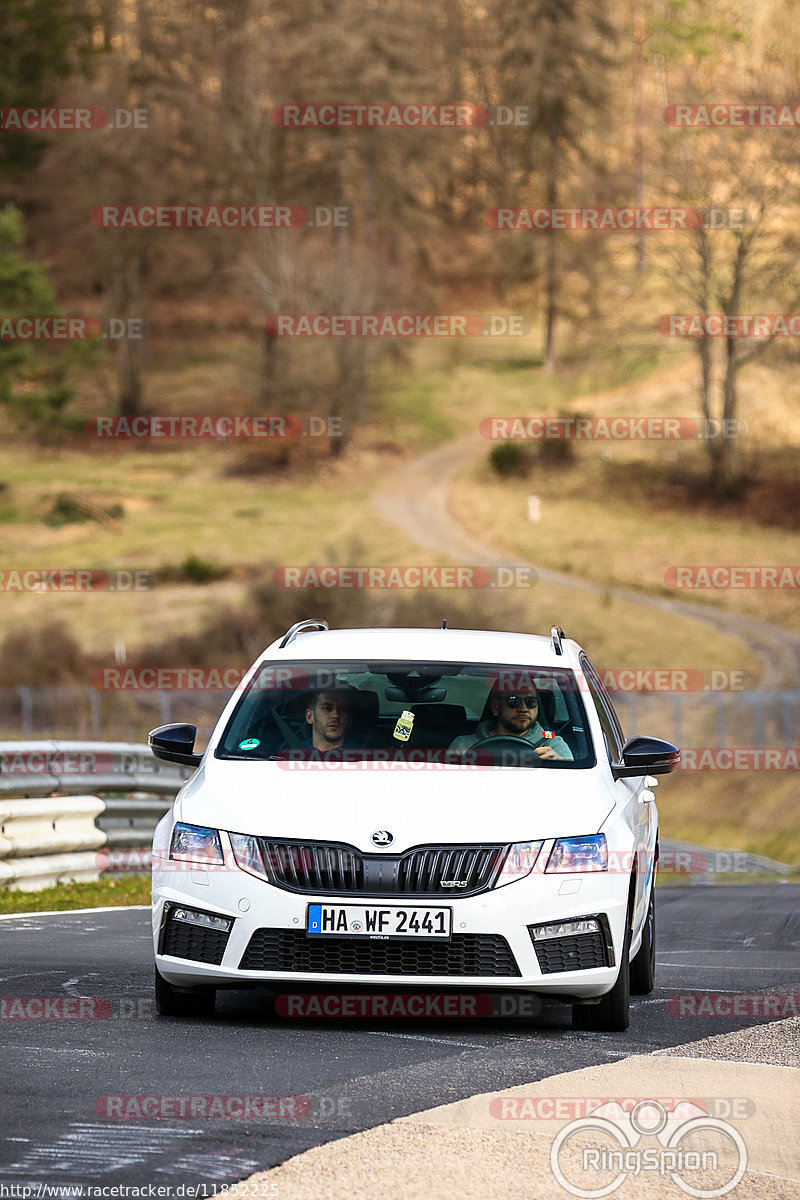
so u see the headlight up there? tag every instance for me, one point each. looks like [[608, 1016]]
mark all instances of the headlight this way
[[247, 853], [196, 843], [579, 854], [520, 861]]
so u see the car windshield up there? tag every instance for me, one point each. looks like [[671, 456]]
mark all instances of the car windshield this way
[[485, 714]]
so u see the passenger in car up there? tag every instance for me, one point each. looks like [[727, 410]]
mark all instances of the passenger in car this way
[[516, 714], [330, 715]]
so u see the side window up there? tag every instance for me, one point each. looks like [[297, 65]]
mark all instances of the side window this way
[[608, 718]]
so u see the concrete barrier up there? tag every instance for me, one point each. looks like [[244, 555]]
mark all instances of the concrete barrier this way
[[52, 830], [44, 841]]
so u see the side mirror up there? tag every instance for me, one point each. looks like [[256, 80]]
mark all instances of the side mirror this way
[[175, 743], [646, 756]]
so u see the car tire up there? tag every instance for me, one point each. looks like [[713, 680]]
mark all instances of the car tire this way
[[171, 1002], [612, 1013], [643, 964]]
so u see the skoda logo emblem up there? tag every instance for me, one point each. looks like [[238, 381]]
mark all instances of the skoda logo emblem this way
[[382, 837]]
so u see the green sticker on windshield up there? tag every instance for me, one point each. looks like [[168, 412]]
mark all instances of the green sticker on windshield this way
[[249, 744]]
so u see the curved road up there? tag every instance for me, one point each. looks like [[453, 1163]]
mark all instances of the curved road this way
[[67, 1082], [415, 499]]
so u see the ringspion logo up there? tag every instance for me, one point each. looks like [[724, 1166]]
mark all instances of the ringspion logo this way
[[693, 1149]]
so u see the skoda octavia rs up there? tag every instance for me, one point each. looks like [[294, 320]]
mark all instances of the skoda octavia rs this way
[[412, 808]]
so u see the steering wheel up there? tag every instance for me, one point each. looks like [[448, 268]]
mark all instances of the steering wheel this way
[[507, 741]]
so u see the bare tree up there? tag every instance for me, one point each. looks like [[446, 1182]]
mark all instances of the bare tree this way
[[742, 262]]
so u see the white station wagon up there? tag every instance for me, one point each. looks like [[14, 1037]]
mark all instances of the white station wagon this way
[[432, 810]]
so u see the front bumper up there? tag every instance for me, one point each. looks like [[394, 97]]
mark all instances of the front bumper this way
[[491, 945]]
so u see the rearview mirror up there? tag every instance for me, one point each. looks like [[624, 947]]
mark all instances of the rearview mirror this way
[[643, 755], [175, 743]]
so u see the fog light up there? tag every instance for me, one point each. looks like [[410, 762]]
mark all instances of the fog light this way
[[190, 916], [540, 933]]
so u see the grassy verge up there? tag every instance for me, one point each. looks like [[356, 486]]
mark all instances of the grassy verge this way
[[623, 513], [119, 892]]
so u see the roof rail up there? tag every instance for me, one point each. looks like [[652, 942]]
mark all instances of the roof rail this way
[[300, 627], [556, 634]]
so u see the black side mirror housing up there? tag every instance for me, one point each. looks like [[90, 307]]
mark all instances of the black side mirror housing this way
[[643, 755], [175, 743]]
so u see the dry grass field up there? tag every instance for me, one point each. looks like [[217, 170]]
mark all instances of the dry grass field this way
[[618, 515]]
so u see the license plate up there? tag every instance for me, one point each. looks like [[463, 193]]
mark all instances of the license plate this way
[[357, 920]]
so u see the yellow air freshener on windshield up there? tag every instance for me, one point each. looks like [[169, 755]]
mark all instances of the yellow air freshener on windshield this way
[[404, 726]]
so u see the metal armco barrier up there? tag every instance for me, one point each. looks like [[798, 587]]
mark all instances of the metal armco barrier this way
[[128, 821], [51, 830], [41, 768]]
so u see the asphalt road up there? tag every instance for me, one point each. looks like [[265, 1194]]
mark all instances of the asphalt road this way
[[350, 1074]]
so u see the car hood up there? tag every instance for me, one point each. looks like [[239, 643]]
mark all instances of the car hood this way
[[348, 803]]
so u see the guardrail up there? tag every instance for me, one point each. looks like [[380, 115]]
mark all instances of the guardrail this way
[[51, 829]]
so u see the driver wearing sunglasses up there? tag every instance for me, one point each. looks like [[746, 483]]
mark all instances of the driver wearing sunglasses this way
[[516, 714]]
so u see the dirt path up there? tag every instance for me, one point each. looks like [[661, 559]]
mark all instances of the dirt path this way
[[415, 499]]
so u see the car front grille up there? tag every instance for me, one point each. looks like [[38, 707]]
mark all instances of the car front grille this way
[[580, 952], [193, 941], [470, 954], [331, 868]]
